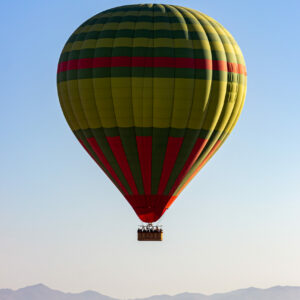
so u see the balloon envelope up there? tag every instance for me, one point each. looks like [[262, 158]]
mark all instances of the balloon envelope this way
[[151, 92]]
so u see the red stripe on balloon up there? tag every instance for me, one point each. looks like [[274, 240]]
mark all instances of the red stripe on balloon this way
[[88, 151], [105, 171], [196, 151], [173, 147], [92, 141], [209, 155], [151, 62], [116, 146], [144, 146]]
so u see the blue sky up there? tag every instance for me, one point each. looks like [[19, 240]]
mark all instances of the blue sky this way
[[64, 224]]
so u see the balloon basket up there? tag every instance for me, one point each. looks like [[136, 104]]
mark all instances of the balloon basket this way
[[150, 233]]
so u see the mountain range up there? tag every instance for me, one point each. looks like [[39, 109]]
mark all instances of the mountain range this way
[[42, 292]]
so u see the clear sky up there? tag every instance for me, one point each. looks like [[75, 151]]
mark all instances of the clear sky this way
[[64, 224]]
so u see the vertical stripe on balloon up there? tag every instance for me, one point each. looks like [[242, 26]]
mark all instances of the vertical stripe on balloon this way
[[209, 155], [92, 141], [144, 146], [116, 146], [173, 147], [196, 151], [98, 162]]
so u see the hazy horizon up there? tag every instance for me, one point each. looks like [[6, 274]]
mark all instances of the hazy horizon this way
[[41, 289]]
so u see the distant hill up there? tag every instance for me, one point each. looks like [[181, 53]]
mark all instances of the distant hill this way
[[42, 292]]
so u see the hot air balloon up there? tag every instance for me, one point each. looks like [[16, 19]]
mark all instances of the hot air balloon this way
[[151, 92]]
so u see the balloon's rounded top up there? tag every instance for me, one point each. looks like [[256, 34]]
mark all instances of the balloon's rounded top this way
[[151, 91]]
